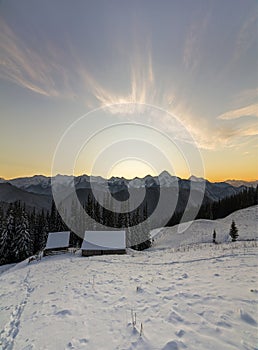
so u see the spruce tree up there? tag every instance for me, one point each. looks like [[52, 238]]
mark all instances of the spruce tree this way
[[146, 238], [233, 231], [1, 217], [214, 236], [4, 244], [23, 241], [8, 235], [52, 218], [34, 229], [90, 212], [44, 230]]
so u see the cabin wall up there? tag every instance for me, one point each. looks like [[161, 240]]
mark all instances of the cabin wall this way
[[102, 252], [52, 251]]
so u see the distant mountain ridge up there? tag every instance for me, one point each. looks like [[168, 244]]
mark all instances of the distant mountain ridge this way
[[239, 183], [41, 184], [10, 194], [37, 191]]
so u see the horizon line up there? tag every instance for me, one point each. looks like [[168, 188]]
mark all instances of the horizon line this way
[[136, 177]]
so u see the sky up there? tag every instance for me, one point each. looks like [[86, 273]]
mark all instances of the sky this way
[[129, 88]]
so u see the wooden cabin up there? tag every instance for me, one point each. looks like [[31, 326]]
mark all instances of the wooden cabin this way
[[57, 243], [103, 242]]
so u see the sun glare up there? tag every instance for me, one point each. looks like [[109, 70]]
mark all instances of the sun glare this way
[[131, 168]]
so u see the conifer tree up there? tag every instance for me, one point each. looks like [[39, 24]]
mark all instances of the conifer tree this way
[[23, 242], [43, 230], [214, 236], [233, 231], [52, 219], [97, 214], [34, 229], [9, 235], [4, 244], [146, 229], [90, 212]]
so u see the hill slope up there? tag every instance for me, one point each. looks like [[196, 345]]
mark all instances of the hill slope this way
[[200, 231], [10, 194]]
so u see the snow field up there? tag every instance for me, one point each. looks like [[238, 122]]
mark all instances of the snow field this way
[[183, 293], [200, 298]]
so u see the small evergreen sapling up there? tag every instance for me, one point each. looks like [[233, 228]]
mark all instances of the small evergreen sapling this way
[[214, 237], [233, 231]]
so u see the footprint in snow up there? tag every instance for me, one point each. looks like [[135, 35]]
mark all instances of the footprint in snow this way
[[63, 313], [180, 333], [247, 318], [171, 345], [75, 343], [175, 317]]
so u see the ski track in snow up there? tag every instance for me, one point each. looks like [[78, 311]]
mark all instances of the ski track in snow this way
[[11, 329]]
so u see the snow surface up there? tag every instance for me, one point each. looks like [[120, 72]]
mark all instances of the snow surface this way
[[200, 231], [199, 296], [58, 240], [104, 240]]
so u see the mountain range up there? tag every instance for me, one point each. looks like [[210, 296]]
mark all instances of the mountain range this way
[[36, 191]]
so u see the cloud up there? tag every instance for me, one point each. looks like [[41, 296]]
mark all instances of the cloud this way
[[224, 136], [55, 73], [140, 87], [28, 68], [220, 133], [245, 97], [247, 111], [192, 48], [246, 36]]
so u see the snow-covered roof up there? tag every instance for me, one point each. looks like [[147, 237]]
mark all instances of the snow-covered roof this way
[[104, 240], [58, 240]]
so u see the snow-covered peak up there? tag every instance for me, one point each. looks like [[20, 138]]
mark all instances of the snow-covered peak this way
[[196, 179], [164, 174], [136, 183], [166, 180], [81, 179], [35, 180]]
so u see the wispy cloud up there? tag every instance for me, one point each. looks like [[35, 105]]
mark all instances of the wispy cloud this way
[[140, 85], [52, 74], [245, 97], [247, 111], [41, 73], [193, 43], [223, 136], [246, 36], [227, 132]]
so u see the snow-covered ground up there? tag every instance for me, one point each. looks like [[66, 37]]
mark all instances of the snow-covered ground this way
[[199, 296], [200, 231]]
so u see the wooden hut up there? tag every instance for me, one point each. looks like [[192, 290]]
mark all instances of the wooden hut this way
[[103, 242], [57, 242]]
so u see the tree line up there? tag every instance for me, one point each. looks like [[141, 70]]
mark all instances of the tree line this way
[[24, 233], [222, 208]]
